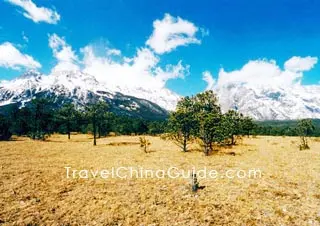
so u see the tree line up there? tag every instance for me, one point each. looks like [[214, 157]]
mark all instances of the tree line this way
[[41, 118], [284, 128], [197, 118]]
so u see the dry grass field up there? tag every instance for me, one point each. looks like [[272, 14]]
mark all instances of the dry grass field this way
[[34, 189]]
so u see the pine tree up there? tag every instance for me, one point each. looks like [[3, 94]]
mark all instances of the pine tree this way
[[96, 113], [305, 129], [182, 123], [247, 125], [208, 114], [42, 118], [5, 132], [67, 116], [231, 126]]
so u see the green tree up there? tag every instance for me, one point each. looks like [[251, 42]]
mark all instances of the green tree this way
[[96, 113], [208, 115], [182, 123], [5, 133], [231, 126], [305, 129], [157, 127], [247, 125], [20, 120], [42, 118], [67, 117]]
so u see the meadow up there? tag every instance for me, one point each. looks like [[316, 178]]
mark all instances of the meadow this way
[[34, 188]]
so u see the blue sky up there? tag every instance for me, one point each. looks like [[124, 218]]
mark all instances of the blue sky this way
[[233, 33]]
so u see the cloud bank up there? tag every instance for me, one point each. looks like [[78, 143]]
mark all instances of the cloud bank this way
[[35, 13], [259, 73], [63, 53], [141, 70], [11, 57]]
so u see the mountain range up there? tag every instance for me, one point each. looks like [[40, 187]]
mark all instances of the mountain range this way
[[80, 89], [272, 102], [261, 103]]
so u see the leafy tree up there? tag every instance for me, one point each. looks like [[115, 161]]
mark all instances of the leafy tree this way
[[42, 118], [182, 123], [157, 127], [247, 125], [96, 113], [208, 114], [140, 126], [304, 128], [67, 117], [231, 126], [106, 124], [5, 133], [20, 120]]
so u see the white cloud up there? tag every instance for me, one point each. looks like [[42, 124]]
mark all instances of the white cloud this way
[[35, 13], [207, 76], [140, 71], [297, 63], [65, 56], [143, 69], [261, 73], [11, 57], [171, 32]]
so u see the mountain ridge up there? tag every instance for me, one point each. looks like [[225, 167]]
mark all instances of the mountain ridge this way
[[260, 102], [78, 88]]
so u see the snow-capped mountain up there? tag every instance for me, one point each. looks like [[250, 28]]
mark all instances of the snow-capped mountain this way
[[81, 88], [271, 102], [260, 102]]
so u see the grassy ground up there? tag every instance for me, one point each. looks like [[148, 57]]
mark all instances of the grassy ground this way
[[34, 188]]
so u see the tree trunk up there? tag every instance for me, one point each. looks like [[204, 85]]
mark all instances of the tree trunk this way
[[94, 131], [206, 149], [68, 128], [184, 144]]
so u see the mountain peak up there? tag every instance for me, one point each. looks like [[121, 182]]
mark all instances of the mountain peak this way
[[30, 74], [81, 88]]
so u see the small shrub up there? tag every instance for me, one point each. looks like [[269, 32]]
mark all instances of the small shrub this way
[[304, 128], [164, 136], [38, 135], [304, 144], [317, 139], [144, 144]]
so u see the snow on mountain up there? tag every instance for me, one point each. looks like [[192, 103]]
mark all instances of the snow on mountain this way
[[81, 88], [271, 102], [163, 97], [263, 102]]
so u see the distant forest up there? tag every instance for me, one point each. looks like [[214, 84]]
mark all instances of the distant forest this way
[[283, 128], [42, 116]]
